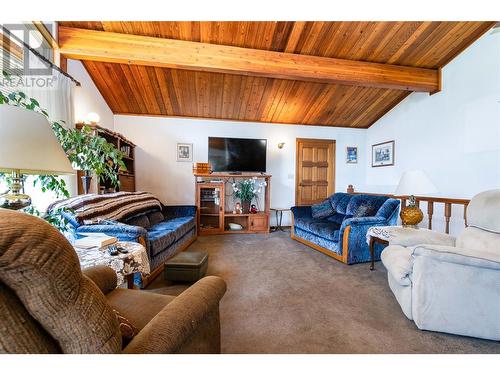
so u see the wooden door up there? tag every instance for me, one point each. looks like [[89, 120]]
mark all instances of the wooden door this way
[[315, 170]]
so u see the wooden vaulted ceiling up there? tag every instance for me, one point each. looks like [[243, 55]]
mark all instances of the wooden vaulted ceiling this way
[[131, 87]]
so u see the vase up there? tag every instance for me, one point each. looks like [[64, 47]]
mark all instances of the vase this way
[[86, 183], [245, 205]]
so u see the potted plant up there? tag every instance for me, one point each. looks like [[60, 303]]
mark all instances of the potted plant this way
[[246, 190], [92, 154]]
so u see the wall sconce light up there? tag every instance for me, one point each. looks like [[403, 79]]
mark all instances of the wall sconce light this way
[[93, 118], [281, 145]]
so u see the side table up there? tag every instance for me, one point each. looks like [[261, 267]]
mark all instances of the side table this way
[[279, 218], [404, 236], [125, 265], [379, 235]]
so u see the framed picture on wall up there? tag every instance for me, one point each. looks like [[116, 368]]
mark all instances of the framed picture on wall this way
[[184, 152], [383, 154], [351, 155]]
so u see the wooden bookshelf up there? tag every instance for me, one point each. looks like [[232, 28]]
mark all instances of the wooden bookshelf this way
[[214, 214], [126, 178]]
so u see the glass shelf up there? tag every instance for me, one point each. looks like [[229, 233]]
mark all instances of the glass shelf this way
[[210, 207]]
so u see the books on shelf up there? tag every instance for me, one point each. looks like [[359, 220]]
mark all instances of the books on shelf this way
[[92, 240], [126, 150]]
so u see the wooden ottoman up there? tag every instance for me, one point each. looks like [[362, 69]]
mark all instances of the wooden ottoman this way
[[187, 266]]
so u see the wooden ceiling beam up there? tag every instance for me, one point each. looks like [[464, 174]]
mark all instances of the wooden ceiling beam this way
[[82, 44], [45, 33]]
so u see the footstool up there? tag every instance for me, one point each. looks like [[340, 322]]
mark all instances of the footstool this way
[[186, 266]]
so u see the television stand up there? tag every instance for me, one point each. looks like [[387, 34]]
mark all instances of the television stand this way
[[214, 215], [235, 173]]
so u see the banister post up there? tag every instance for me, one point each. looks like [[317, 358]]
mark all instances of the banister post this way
[[447, 215], [430, 212], [465, 214]]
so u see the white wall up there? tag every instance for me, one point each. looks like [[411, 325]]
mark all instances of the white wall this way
[[158, 171], [87, 97], [454, 135]]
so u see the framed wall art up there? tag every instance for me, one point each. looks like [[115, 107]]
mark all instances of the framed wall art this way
[[184, 152], [351, 155], [383, 154]]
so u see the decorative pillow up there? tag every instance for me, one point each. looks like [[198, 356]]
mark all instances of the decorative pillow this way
[[339, 202], [155, 217], [364, 205], [365, 211], [41, 267], [139, 221], [322, 210], [127, 329]]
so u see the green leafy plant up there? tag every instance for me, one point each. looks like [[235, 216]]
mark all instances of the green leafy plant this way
[[52, 183], [85, 149], [91, 153], [56, 217], [6, 178], [248, 189]]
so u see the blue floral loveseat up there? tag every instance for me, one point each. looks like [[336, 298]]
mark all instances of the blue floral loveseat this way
[[338, 225]]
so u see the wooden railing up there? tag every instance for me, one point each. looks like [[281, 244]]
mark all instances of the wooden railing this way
[[448, 202]]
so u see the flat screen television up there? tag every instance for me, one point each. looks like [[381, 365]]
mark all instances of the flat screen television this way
[[237, 154]]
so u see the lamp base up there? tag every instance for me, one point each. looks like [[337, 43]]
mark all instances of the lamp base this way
[[411, 216], [14, 199], [410, 226]]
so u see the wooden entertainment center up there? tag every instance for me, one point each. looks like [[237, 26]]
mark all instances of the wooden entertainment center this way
[[215, 209]]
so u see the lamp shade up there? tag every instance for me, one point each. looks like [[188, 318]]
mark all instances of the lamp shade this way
[[415, 183], [28, 144]]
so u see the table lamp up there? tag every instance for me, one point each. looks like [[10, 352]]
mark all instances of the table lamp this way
[[28, 146], [413, 183]]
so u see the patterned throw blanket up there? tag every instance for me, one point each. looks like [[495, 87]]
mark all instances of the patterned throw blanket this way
[[116, 206]]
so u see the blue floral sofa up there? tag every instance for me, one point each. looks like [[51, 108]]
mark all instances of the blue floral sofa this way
[[137, 217], [338, 225]]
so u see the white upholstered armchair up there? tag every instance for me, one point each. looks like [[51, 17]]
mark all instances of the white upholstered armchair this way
[[452, 285]]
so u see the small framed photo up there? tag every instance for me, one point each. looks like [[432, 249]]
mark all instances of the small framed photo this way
[[184, 152], [351, 155], [383, 154]]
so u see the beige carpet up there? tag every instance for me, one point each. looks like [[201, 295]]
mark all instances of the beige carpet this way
[[284, 297]]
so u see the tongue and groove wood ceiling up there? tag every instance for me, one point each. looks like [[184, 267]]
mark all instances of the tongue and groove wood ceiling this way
[[152, 88]]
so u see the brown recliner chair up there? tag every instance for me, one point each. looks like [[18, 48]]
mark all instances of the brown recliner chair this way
[[47, 305]]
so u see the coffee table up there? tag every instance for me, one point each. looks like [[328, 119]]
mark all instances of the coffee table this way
[[125, 265]]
